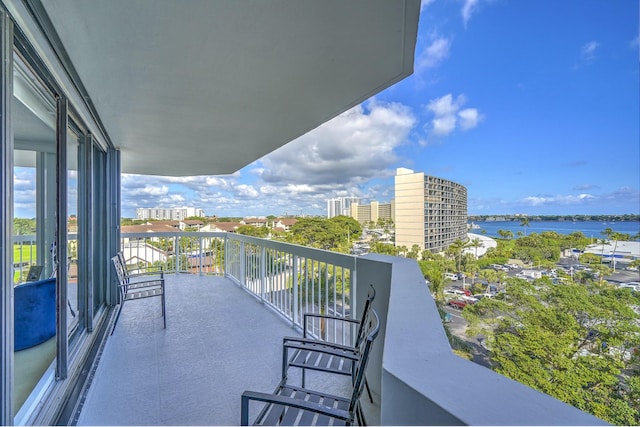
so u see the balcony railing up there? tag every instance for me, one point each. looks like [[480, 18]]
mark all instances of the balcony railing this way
[[291, 279], [419, 381]]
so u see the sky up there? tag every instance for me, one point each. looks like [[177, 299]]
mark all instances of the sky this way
[[532, 105]]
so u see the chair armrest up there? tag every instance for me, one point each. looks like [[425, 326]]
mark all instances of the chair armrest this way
[[143, 283], [306, 316], [329, 347], [287, 401]]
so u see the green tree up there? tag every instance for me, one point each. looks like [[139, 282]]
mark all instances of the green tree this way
[[475, 244], [317, 233], [414, 252], [24, 226], [250, 230], [455, 250], [617, 237], [433, 272], [524, 222], [571, 341]]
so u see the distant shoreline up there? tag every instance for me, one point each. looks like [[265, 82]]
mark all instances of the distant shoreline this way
[[531, 218]]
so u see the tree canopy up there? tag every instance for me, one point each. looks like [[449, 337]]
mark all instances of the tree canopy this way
[[576, 342]]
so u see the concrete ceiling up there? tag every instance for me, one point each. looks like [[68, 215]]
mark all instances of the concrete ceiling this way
[[204, 87]]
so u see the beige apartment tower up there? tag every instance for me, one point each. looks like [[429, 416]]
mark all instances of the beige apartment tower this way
[[430, 212]]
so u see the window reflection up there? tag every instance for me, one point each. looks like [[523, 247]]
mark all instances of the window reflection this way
[[33, 121]]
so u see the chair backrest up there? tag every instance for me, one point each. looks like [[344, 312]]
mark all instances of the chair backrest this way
[[372, 328], [365, 314], [117, 264], [120, 256]]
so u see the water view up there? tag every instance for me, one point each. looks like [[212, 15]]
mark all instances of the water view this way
[[592, 229]]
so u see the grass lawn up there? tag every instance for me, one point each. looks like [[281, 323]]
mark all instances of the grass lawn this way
[[23, 253]]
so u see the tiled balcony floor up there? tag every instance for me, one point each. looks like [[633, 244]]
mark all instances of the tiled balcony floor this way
[[219, 341]]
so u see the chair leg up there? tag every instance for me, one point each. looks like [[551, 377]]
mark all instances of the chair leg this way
[[164, 314], [366, 384]]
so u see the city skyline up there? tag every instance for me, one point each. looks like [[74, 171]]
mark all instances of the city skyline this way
[[532, 106]]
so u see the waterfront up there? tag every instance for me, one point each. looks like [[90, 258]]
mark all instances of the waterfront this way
[[591, 229]]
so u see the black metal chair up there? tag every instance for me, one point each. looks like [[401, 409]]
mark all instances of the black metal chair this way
[[138, 288], [322, 355], [291, 405]]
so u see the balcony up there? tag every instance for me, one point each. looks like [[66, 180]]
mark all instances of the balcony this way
[[225, 324]]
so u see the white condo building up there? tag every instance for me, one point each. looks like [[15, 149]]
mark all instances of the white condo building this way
[[340, 206], [176, 214]]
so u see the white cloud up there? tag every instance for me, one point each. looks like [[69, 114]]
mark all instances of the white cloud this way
[[434, 53], [448, 115], [352, 148], [469, 118], [588, 51], [244, 190], [558, 200], [424, 4], [150, 190], [443, 125], [467, 10]]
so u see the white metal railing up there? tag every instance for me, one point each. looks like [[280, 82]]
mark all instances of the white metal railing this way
[[24, 256], [424, 382], [291, 279]]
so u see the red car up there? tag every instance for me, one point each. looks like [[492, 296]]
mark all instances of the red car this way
[[457, 304]]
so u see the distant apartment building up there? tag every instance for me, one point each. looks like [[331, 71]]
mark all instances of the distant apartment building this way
[[340, 206], [175, 214], [372, 212], [430, 212]]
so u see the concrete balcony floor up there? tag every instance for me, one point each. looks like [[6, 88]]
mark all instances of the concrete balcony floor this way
[[219, 341]]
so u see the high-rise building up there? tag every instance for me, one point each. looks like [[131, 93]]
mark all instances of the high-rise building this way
[[429, 211], [340, 206], [372, 212], [176, 214]]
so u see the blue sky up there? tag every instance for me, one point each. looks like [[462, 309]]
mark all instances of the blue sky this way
[[533, 105]]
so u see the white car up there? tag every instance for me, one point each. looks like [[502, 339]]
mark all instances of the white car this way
[[631, 285], [451, 276], [631, 268]]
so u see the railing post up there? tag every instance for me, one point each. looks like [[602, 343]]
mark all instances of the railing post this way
[[243, 261], [263, 272], [295, 316], [200, 244], [176, 246]]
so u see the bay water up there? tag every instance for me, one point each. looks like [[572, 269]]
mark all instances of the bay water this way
[[591, 229]]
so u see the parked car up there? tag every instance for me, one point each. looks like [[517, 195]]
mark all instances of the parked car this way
[[465, 292], [630, 268], [457, 304], [451, 276], [631, 285], [480, 296]]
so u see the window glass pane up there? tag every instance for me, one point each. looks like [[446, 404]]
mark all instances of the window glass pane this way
[[33, 121], [75, 291]]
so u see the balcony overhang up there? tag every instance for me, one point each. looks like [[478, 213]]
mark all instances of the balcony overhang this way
[[207, 87]]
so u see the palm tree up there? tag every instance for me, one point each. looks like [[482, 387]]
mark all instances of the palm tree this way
[[476, 243], [456, 249], [606, 232], [616, 237], [524, 222]]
